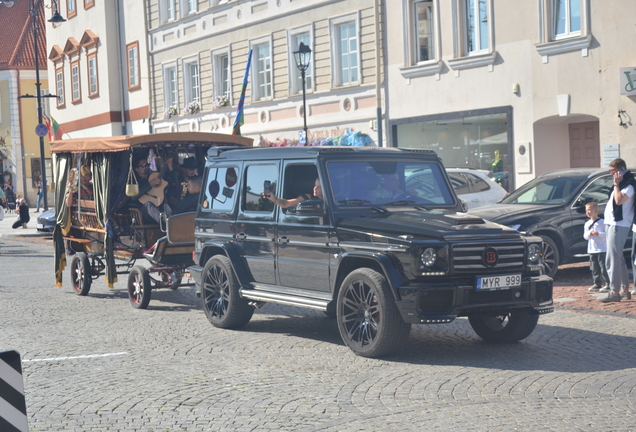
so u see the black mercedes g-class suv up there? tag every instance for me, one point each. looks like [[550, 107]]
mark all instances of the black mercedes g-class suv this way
[[384, 248]]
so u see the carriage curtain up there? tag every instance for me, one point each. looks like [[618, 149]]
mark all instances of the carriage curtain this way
[[62, 214], [102, 163]]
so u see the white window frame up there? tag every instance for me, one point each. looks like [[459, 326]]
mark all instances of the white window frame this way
[[412, 68], [168, 90], [186, 7], [549, 44], [336, 67], [46, 105], [295, 77], [568, 33], [257, 75], [217, 68], [478, 49], [463, 58], [76, 89], [133, 66], [414, 29], [167, 11], [191, 84], [59, 87], [92, 75]]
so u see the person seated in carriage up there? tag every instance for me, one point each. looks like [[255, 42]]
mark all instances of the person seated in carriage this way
[[85, 188]]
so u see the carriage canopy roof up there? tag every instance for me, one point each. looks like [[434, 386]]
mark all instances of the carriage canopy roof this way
[[125, 142]]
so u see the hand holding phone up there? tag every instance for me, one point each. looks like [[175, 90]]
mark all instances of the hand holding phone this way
[[267, 188]]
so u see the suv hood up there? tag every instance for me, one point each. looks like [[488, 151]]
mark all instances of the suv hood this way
[[430, 224], [505, 212]]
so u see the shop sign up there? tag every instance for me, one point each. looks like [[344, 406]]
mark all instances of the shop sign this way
[[628, 81]]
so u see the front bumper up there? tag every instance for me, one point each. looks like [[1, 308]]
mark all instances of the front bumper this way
[[442, 302]]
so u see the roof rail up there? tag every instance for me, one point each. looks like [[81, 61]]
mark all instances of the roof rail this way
[[215, 151]]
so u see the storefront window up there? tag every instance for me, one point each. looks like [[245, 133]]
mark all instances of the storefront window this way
[[474, 141]]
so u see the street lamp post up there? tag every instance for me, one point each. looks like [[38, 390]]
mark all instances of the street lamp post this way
[[302, 57], [34, 6]]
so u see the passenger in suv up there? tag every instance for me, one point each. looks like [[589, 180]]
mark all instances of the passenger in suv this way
[[376, 267]]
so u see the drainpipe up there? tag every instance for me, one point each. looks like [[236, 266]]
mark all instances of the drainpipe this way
[[378, 78], [148, 65], [120, 50]]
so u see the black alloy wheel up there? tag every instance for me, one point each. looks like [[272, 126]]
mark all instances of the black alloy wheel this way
[[368, 319], [222, 302], [504, 328]]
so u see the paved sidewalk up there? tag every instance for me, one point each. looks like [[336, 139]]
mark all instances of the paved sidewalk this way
[[30, 232]]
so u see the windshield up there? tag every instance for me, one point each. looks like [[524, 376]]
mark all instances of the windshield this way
[[549, 190], [389, 184]]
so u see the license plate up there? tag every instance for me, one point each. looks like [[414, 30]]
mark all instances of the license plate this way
[[498, 282], [39, 226]]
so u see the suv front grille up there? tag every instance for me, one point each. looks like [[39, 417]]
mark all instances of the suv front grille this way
[[468, 257]]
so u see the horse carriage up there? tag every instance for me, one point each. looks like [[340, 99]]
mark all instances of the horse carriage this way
[[103, 224]]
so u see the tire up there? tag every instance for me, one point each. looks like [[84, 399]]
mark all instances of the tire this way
[[81, 274], [139, 288], [505, 328], [368, 319], [222, 303], [551, 258]]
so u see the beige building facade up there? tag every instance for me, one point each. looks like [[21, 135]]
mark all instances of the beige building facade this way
[[519, 88], [199, 52]]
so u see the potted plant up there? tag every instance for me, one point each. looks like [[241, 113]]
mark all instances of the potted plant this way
[[171, 111], [221, 101], [193, 107]]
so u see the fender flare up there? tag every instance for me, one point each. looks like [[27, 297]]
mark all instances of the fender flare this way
[[232, 252], [384, 262]]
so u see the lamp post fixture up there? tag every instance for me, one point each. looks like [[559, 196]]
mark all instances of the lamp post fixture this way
[[302, 57], [34, 7]]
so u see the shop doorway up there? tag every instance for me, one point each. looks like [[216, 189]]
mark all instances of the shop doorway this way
[[584, 145]]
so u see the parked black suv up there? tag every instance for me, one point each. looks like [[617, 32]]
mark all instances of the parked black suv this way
[[377, 260]]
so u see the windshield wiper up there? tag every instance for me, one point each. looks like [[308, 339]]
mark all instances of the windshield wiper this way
[[365, 202], [401, 203]]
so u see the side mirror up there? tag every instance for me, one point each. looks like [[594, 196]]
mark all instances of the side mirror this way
[[310, 208]]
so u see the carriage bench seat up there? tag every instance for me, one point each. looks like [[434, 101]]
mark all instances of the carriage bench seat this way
[[177, 246]]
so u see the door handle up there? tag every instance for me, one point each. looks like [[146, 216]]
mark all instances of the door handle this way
[[241, 236], [283, 239]]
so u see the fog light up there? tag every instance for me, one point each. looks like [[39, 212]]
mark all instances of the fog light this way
[[518, 294]]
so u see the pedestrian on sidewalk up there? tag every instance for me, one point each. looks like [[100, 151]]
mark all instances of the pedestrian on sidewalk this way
[[40, 194], [23, 217], [619, 215], [594, 233]]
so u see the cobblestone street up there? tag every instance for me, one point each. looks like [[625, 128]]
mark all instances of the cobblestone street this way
[[95, 364]]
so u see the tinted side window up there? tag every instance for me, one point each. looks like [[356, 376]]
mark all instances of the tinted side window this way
[[459, 183], [221, 189], [255, 178], [598, 190], [479, 185]]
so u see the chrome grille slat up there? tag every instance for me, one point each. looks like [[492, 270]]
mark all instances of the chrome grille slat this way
[[467, 257]]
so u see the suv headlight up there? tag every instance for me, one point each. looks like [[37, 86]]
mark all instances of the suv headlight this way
[[534, 253], [429, 257]]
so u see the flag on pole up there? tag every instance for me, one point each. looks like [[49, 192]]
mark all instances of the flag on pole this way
[[55, 130], [236, 129]]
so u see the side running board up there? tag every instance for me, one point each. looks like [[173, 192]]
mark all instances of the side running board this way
[[286, 299]]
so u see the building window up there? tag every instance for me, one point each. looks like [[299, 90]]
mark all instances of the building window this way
[[93, 83], [132, 56], [222, 75], [566, 18], [71, 8], [46, 106], [76, 92], [189, 6], [170, 87], [192, 81], [167, 11], [477, 26], [89, 3], [346, 51], [263, 75], [424, 28], [296, 76], [59, 87]]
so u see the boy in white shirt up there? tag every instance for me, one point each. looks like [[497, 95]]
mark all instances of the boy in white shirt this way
[[594, 233]]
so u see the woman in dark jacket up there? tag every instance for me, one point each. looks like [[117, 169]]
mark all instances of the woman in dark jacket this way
[[24, 217]]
